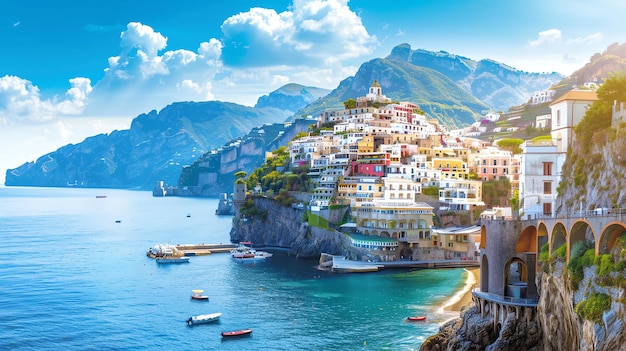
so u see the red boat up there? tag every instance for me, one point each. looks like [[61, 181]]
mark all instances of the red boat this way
[[417, 318], [197, 295], [237, 332]]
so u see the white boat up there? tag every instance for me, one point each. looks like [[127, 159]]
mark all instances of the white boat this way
[[203, 318], [247, 253], [172, 259]]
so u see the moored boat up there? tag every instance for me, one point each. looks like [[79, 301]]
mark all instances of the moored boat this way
[[236, 332], [203, 318], [244, 252], [172, 259], [416, 318], [197, 295]]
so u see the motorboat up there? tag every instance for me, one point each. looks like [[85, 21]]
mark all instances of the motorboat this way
[[244, 252], [236, 332], [416, 318], [203, 318], [197, 295], [172, 259]]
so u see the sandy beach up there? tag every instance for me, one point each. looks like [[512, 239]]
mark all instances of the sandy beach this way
[[464, 296]]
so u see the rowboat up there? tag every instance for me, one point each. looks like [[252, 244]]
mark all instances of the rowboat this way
[[203, 318], [197, 295], [416, 318], [236, 332]]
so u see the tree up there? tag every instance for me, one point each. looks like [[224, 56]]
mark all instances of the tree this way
[[349, 104], [598, 116], [512, 144]]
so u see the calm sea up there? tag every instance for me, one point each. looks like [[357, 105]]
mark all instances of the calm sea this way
[[74, 276]]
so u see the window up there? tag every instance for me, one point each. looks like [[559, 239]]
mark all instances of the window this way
[[495, 170], [504, 162], [484, 162], [485, 170], [547, 209], [495, 162], [547, 168], [547, 187], [558, 117]]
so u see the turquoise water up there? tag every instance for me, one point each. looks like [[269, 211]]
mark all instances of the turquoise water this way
[[74, 279]]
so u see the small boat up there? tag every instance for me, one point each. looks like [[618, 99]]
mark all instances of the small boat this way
[[203, 318], [416, 318], [236, 332], [197, 295], [172, 259], [243, 252], [101, 196]]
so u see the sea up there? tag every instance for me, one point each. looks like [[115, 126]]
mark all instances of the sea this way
[[74, 275]]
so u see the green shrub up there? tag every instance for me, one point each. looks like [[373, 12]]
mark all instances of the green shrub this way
[[544, 252], [561, 252], [606, 265], [593, 308]]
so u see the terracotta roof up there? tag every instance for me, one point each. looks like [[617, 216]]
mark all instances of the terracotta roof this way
[[586, 95]]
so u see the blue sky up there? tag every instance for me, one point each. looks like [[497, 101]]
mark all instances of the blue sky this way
[[89, 67]]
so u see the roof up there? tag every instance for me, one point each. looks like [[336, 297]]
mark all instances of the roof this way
[[586, 95], [375, 84]]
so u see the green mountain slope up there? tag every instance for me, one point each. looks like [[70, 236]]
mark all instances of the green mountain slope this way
[[436, 94]]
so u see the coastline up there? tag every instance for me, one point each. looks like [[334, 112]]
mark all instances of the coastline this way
[[462, 297]]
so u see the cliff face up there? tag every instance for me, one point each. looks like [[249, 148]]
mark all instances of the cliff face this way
[[564, 329], [283, 227], [213, 173]]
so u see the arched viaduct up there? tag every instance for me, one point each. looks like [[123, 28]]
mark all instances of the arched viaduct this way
[[509, 250]]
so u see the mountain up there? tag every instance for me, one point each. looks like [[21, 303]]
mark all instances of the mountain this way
[[496, 84], [155, 147], [436, 94], [291, 97], [600, 65]]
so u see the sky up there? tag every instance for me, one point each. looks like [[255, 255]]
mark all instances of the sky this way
[[77, 68]]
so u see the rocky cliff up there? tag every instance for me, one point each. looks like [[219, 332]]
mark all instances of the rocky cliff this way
[[280, 226], [213, 172]]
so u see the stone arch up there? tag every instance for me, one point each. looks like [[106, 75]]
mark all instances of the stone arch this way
[[578, 233], [394, 235], [483, 238], [527, 241], [385, 234], [484, 274], [515, 278], [366, 232], [608, 237], [558, 238]]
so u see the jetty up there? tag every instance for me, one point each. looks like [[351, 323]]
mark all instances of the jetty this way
[[203, 249], [340, 264]]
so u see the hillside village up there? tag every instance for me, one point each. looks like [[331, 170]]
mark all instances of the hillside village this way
[[377, 157]]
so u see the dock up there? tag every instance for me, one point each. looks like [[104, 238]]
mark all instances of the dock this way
[[339, 264], [203, 249]]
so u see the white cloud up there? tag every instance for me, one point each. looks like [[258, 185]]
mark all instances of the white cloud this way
[[20, 101], [141, 78], [590, 39], [546, 37], [309, 34]]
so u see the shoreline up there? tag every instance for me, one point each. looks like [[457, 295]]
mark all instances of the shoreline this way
[[462, 297]]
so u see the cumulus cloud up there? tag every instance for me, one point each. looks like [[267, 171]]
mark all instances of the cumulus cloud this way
[[21, 102], [144, 76], [546, 37], [309, 34]]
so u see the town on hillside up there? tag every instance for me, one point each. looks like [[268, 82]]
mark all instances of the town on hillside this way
[[377, 158]]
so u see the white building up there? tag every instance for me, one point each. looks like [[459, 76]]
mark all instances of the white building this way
[[539, 176], [566, 112]]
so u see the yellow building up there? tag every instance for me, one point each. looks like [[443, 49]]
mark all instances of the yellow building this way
[[451, 168], [405, 221]]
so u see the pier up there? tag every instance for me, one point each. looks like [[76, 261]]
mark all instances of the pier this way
[[203, 249], [339, 264]]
